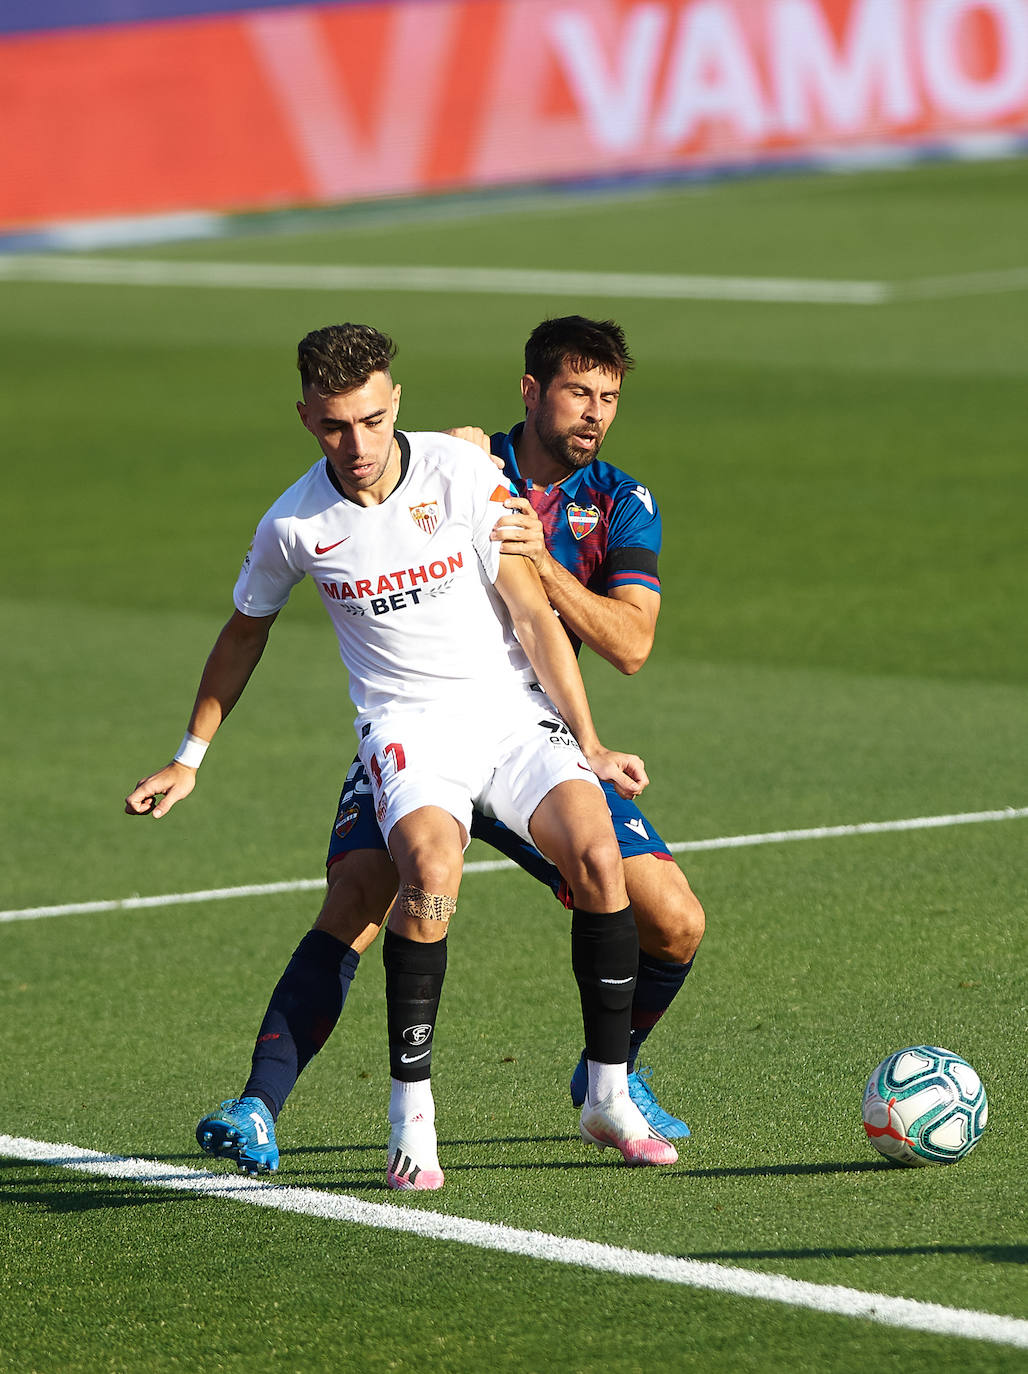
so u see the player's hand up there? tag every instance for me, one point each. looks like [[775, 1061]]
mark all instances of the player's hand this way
[[156, 795], [626, 771], [471, 434], [520, 531]]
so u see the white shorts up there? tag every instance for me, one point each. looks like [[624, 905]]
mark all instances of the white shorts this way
[[460, 759]]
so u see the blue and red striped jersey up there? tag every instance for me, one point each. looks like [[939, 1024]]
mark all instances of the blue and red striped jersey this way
[[599, 523]]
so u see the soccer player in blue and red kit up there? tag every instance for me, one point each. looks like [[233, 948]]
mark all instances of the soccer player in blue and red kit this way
[[593, 534]]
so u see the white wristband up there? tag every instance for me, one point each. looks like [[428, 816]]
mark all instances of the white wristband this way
[[191, 750]]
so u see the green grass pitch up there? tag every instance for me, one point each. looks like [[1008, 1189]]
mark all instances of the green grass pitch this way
[[842, 640]]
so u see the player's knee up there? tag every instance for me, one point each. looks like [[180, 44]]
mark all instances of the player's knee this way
[[690, 925], [433, 870], [673, 927], [595, 875]]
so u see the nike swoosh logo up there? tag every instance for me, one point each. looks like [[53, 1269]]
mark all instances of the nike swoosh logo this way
[[327, 548], [413, 1058], [615, 981]]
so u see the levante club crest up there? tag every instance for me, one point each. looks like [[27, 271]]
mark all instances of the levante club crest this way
[[425, 516], [583, 520]]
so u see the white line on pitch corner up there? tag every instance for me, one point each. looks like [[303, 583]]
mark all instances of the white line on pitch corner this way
[[217, 894], [730, 1281]]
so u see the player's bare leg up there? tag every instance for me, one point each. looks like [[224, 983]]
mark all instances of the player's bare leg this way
[[668, 913], [572, 827], [361, 888], [428, 847]]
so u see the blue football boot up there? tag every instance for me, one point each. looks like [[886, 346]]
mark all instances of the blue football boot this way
[[642, 1095], [579, 1082], [241, 1129]]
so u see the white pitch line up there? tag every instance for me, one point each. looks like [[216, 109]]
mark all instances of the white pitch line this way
[[109, 271], [831, 832], [833, 1299], [216, 894], [112, 271]]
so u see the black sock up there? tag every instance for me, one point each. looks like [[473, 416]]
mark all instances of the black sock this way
[[301, 1015], [656, 988], [414, 983], [605, 959]]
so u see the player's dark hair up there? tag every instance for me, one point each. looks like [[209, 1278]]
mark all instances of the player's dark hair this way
[[580, 343], [341, 357]]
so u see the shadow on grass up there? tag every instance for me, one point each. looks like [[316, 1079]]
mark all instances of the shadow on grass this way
[[290, 1152], [997, 1254], [854, 1166], [347, 1175], [64, 1196], [58, 1194]]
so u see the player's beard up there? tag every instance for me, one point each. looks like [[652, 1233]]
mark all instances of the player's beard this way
[[557, 443]]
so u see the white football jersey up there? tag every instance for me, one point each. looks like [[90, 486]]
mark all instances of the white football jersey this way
[[408, 583]]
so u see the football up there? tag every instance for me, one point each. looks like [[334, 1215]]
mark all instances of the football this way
[[924, 1105]]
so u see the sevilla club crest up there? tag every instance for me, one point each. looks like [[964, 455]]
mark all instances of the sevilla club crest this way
[[583, 520], [426, 516]]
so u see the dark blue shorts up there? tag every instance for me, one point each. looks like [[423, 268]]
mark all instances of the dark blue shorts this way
[[356, 828]]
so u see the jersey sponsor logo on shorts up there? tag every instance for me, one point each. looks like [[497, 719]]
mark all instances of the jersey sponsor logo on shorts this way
[[327, 548], [638, 827], [583, 519], [426, 516]]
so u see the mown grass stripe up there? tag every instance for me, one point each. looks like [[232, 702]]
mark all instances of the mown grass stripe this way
[[728, 1281]]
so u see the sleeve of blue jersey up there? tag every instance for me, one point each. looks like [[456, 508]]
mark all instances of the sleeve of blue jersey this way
[[634, 538]]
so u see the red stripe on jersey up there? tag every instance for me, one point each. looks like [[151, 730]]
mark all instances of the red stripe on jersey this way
[[638, 579]]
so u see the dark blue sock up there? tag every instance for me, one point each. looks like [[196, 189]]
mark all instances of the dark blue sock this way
[[657, 986], [301, 1015]]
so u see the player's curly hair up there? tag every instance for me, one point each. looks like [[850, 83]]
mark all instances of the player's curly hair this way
[[580, 343], [341, 357]]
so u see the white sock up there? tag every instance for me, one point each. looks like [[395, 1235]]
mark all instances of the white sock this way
[[408, 1100], [605, 1079]]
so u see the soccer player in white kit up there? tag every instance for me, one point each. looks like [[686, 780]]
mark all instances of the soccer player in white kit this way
[[455, 662]]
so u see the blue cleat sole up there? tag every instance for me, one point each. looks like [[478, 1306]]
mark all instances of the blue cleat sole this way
[[242, 1131]]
